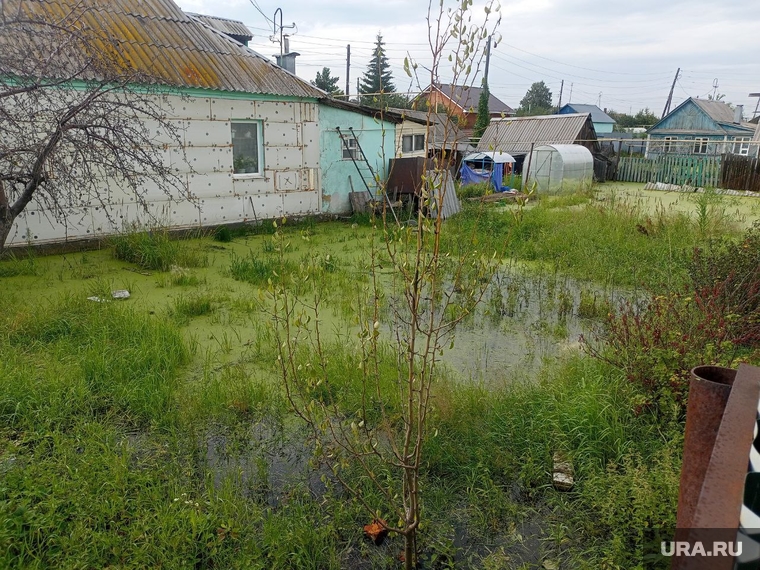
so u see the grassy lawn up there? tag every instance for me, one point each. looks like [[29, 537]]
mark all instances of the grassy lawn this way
[[156, 432]]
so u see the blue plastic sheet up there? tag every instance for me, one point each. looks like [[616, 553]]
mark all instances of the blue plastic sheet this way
[[495, 177]]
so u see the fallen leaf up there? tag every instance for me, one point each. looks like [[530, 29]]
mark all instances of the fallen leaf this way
[[376, 530]]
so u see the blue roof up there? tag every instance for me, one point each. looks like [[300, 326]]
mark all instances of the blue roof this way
[[597, 115]]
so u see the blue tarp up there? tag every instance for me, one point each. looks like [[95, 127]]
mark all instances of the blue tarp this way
[[495, 177]]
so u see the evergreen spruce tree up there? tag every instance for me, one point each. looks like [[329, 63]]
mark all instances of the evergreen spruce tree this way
[[327, 82], [484, 114], [377, 80]]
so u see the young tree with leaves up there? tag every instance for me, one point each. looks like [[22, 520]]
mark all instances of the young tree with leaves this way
[[537, 101], [327, 82], [377, 82], [418, 290]]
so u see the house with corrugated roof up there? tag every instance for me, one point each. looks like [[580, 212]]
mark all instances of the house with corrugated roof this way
[[701, 127], [519, 136], [251, 137], [462, 101], [603, 123]]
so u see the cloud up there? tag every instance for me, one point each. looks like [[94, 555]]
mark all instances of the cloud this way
[[628, 51]]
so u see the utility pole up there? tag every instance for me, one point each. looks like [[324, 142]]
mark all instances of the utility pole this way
[[670, 96], [488, 61], [561, 87], [758, 103], [348, 67]]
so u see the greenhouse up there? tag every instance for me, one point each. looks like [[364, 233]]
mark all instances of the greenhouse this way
[[555, 167]]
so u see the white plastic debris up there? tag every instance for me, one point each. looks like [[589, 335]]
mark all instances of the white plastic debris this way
[[562, 476], [119, 294]]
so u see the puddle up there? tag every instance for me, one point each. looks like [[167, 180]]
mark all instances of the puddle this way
[[525, 319], [264, 460]]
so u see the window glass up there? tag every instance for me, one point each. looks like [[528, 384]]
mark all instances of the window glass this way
[[741, 146], [351, 151], [419, 142], [700, 146], [406, 143], [246, 150]]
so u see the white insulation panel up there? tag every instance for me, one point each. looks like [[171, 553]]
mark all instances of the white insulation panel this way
[[290, 186]]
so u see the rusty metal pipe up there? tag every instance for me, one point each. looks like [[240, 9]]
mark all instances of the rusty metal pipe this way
[[709, 390], [720, 424]]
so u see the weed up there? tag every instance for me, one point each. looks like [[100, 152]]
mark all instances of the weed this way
[[155, 250], [474, 190], [253, 269], [14, 266], [593, 305], [186, 307], [223, 234]]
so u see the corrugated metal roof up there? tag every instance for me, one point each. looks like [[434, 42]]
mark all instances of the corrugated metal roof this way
[[224, 25], [597, 115], [515, 135], [155, 38]]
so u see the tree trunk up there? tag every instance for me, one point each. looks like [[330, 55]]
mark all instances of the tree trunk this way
[[6, 218]]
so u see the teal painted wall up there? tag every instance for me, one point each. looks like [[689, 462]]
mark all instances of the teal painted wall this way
[[603, 127], [376, 138]]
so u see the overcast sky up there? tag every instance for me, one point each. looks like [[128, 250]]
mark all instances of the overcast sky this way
[[622, 55]]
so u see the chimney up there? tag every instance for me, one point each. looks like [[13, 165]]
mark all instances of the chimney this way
[[738, 114], [288, 59]]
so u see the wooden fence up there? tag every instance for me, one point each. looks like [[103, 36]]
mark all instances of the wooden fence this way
[[672, 169], [740, 173]]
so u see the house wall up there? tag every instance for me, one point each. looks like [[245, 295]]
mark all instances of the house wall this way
[[603, 127], [436, 98], [289, 185], [377, 139], [410, 128], [688, 123]]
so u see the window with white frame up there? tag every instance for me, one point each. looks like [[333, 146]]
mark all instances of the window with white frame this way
[[350, 149], [669, 145], [741, 145], [247, 148], [700, 145], [412, 143]]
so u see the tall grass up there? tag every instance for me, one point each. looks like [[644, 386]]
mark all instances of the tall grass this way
[[610, 242], [75, 358], [156, 250], [19, 265]]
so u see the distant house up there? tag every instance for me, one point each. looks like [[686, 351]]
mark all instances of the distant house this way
[[603, 123], [701, 127], [520, 135], [414, 138], [462, 101], [250, 144]]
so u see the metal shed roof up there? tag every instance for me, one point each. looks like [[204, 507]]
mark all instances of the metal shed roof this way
[[156, 39], [597, 115], [516, 135]]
